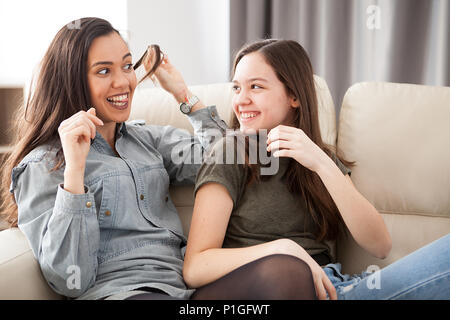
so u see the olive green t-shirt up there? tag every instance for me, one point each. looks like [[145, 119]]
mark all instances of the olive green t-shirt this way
[[265, 210]]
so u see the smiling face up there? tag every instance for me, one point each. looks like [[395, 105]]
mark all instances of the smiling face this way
[[260, 99], [111, 78]]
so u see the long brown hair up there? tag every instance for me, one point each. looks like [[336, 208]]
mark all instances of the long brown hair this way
[[61, 90], [293, 68]]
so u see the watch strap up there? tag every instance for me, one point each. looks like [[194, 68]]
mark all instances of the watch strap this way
[[193, 100], [189, 103]]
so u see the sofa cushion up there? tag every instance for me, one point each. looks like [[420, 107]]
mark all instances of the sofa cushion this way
[[397, 134], [21, 277], [408, 233]]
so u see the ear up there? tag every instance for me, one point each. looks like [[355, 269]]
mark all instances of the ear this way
[[294, 102]]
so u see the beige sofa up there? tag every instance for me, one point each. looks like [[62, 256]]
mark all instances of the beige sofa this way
[[397, 133]]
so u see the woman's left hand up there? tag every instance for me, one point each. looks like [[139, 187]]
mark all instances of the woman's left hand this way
[[167, 75], [286, 141]]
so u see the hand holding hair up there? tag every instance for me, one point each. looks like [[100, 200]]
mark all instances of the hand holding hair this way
[[166, 74]]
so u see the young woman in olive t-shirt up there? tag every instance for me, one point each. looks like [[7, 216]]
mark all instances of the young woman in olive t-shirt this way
[[243, 227]]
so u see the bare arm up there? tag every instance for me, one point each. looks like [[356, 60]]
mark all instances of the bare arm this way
[[362, 219]]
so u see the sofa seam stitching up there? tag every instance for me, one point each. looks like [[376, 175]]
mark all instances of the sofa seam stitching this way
[[15, 257]]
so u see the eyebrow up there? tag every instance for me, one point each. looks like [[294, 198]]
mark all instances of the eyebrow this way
[[109, 62], [251, 79]]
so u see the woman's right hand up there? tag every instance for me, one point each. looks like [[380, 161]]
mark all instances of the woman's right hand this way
[[322, 283], [169, 77], [75, 134]]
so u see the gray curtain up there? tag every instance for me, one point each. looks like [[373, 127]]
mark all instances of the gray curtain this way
[[349, 41]]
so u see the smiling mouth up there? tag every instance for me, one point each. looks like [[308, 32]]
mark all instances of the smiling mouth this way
[[119, 101], [248, 116]]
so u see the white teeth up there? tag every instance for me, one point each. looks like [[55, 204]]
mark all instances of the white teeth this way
[[248, 115], [120, 98], [120, 104]]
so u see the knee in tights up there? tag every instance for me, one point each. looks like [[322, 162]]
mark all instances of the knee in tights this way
[[269, 278]]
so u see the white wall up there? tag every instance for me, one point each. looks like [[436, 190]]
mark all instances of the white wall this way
[[28, 26], [194, 34]]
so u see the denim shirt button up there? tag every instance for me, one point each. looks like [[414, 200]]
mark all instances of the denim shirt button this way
[[88, 204], [142, 197], [107, 213]]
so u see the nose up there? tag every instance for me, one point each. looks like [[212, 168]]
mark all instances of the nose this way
[[242, 97], [120, 80]]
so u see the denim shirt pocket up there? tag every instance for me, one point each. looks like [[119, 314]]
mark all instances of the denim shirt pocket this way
[[158, 206], [154, 181], [106, 196]]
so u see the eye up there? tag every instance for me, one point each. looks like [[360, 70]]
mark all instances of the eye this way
[[255, 86], [128, 66], [103, 71], [235, 88]]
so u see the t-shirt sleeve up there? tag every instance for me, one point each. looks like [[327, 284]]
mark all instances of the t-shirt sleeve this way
[[225, 169], [345, 170]]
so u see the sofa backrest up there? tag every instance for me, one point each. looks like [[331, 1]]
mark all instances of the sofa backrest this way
[[399, 136]]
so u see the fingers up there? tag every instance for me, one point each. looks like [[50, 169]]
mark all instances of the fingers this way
[[72, 134], [284, 153], [283, 148], [91, 113], [330, 288], [81, 132], [166, 59], [279, 144], [86, 119], [90, 125], [72, 127], [165, 65], [284, 133], [320, 289], [149, 59], [323, 285]]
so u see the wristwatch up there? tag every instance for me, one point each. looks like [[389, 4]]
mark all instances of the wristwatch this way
[[186, 106]]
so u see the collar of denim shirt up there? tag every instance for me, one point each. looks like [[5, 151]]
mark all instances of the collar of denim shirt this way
[[121, 130]]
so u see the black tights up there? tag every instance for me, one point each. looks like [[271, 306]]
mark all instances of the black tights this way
[[274, 277]]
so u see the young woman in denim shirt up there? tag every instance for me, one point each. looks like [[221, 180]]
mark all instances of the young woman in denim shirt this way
[[309, 199], [91, 192]]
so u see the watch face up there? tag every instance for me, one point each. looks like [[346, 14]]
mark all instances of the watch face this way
[[185, 108]]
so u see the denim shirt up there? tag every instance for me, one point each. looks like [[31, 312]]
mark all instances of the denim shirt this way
[[124, 232]]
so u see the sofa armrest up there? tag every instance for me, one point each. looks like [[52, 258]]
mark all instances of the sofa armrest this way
[[20, 274]]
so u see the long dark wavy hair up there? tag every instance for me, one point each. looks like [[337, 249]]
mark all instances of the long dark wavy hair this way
[[293, 68], [61, 90]]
